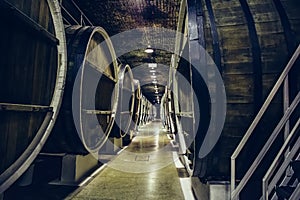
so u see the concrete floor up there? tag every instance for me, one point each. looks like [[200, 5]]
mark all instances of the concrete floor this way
[[144, 170]]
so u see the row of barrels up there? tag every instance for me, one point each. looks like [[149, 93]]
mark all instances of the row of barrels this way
[[61, 82], [168, 111], [245, 44]]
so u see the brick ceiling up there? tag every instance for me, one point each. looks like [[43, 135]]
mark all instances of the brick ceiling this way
[[117, 16]]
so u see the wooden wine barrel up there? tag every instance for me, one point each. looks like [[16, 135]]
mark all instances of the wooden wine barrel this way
[[142, 115], [145, 111], [137, 105], [250, 43], [90, 98], [164, 110], [32, 76], [171, 111], [125, 108]]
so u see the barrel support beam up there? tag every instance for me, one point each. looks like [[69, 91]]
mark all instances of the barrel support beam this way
[[103, 72], [99, 112], [24, 107]]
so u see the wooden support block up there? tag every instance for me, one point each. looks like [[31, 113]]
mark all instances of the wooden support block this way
[[210, 190], [26, 178], [75, 168]]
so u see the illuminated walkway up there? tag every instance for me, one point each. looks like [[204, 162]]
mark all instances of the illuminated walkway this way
[[144, 170]]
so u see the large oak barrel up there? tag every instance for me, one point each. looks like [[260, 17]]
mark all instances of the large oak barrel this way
[[137, 105], [90, 98], [125, 108], [164, 111], [32, 76], [250, 43], [145, 111]]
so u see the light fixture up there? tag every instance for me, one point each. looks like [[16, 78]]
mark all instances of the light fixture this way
[[153, 77], [156, 92], [149, 49], [152, 71], [154, 81], [152, 65]]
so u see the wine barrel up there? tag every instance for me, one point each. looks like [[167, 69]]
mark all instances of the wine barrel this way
[[90, 98], [125, 108], [250, 43], [145, 111], [171, 111], [142, 115], [164, 113], [137, 105], [32, 76]]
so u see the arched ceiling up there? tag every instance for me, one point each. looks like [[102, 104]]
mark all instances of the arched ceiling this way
[[117, 16]]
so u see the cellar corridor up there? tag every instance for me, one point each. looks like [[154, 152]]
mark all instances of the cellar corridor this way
[[150, 99], [148, 171]]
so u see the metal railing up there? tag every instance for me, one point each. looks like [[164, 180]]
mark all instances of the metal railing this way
[[269, 186], [83, 21], [235, 191]]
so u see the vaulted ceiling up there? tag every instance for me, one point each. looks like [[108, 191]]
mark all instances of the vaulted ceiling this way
[[117, 16]]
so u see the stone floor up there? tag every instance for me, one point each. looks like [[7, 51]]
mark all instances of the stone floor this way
[[144, 170]]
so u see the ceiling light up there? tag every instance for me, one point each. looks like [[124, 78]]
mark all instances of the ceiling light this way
[[153, 76], [152, 65], [149, 49], [152, 71], [154, 81]]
